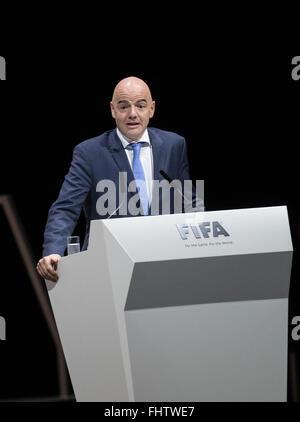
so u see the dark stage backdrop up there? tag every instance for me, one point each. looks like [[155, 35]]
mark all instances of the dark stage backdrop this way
[[238, 112]]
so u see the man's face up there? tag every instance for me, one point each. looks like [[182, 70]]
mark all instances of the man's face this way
[[132, 108]]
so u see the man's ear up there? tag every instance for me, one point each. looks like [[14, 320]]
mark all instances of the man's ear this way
[[152, 109], [112, 110]]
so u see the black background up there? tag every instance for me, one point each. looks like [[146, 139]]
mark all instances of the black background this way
[[233, 100]]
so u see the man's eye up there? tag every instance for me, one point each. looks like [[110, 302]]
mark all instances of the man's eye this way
[[141, 105]]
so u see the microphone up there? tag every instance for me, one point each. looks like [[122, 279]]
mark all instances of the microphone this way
[[168, 178], [188, 203], [123, 189], [165, 176]]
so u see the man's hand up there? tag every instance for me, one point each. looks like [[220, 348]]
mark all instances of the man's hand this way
[[46, 267]]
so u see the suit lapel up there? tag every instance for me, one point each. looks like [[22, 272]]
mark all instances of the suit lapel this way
[[119, 155], [157, 152], [120, 158]]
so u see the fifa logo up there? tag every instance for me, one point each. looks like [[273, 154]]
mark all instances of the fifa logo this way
[[2, 69], [202, 230]]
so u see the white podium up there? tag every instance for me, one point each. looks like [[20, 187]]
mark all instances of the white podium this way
[[184, 307]]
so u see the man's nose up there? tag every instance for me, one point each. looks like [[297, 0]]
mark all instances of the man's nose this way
[[133, 112]]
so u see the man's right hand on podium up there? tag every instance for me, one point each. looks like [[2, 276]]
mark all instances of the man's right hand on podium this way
[[47, 266]]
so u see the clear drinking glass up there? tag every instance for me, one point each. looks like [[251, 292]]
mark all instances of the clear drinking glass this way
[[73, 244]]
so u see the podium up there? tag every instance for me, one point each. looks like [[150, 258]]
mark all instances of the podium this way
[[182, 307]]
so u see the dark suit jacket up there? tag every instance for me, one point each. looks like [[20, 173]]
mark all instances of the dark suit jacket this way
[[103, 157]]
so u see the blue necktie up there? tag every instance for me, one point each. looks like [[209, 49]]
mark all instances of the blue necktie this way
[[139, 176]]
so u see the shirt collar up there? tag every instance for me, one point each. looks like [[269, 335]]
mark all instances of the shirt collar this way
[[126, 141]]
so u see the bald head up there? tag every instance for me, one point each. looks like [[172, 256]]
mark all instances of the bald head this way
[[132, 107], [131, 84]]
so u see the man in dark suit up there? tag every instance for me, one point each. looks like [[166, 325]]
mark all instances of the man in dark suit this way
[[102, 159]]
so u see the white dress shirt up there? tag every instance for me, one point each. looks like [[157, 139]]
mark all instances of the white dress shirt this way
[[146, 157]]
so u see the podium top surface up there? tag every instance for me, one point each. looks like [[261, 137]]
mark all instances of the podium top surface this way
[[201, 234]]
